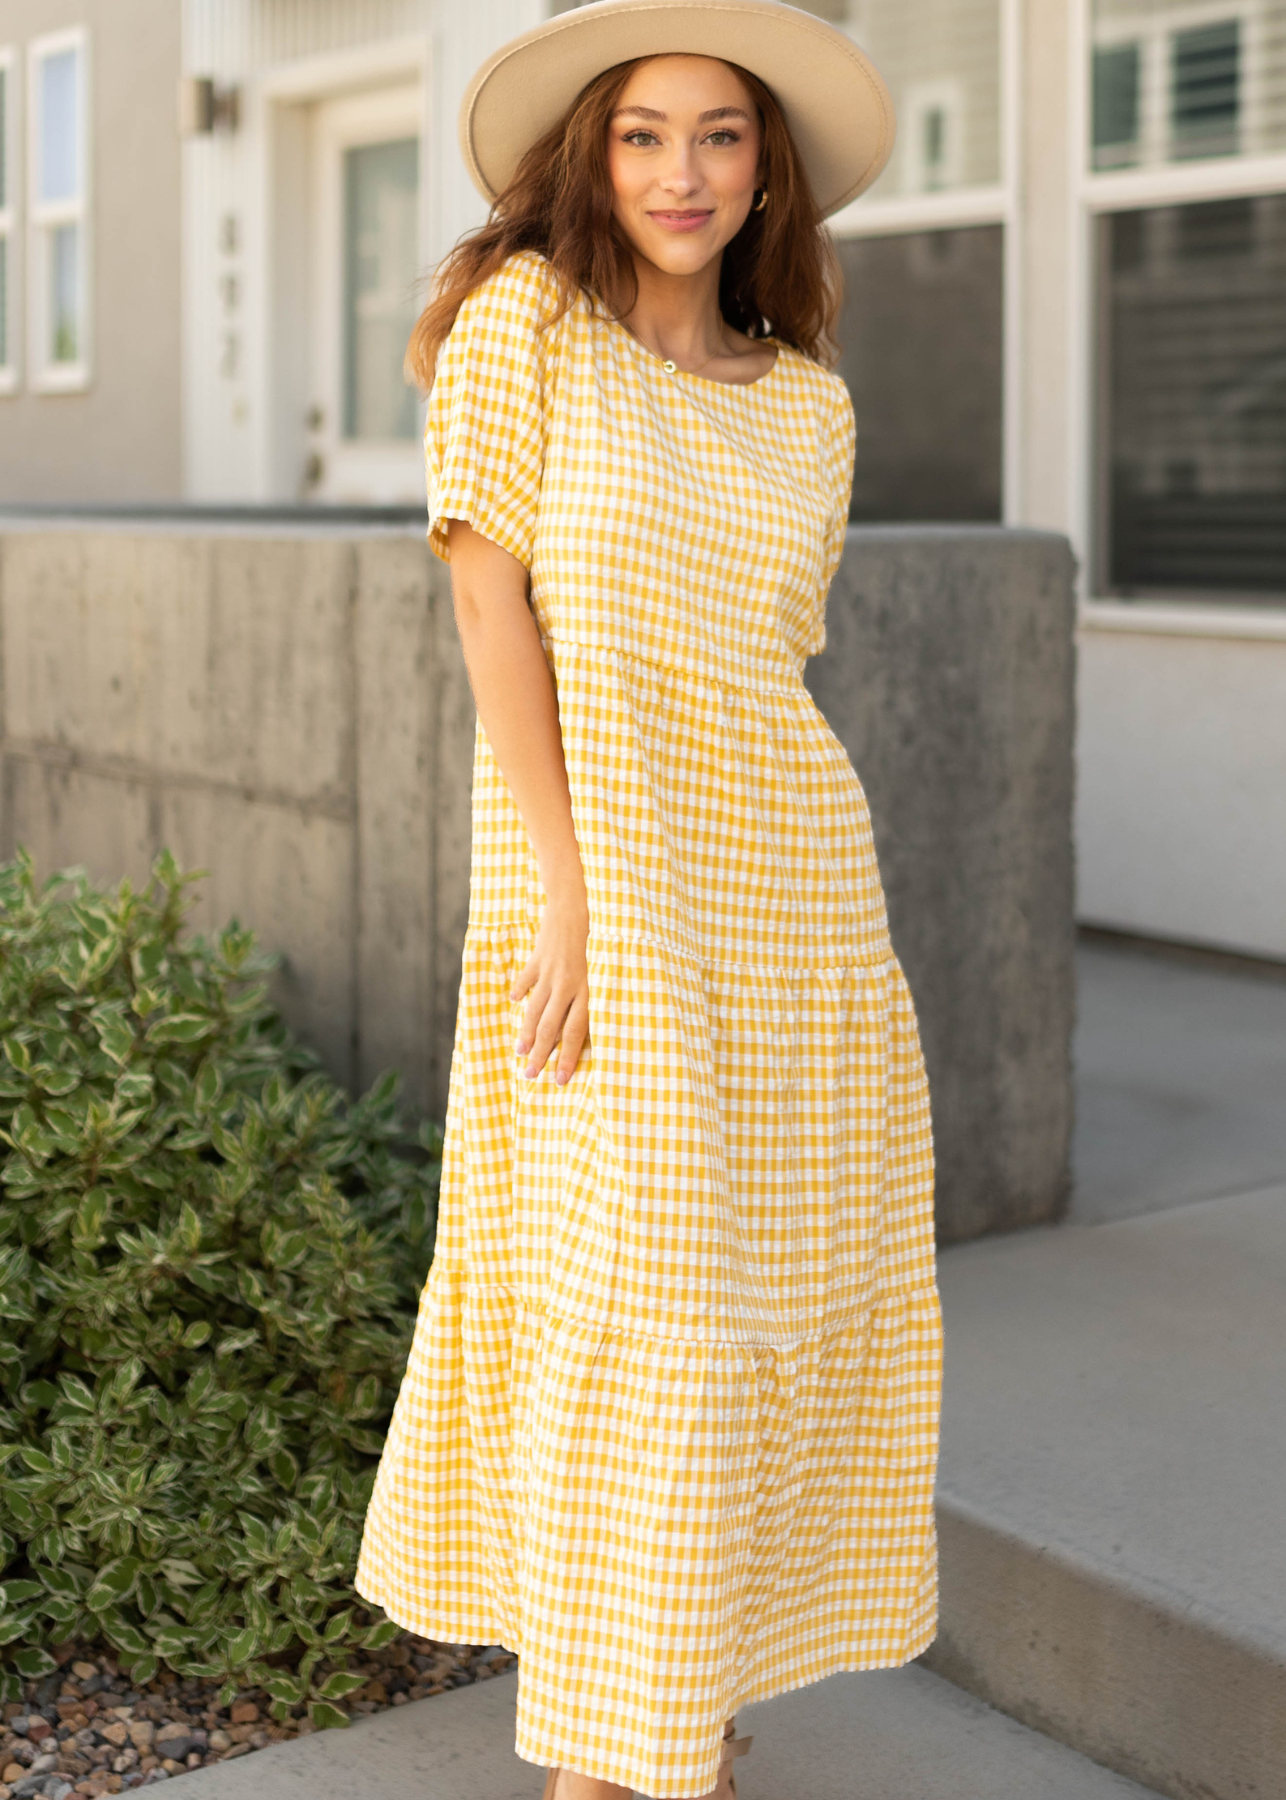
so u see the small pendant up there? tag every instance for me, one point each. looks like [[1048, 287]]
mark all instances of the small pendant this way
[[668, 366]]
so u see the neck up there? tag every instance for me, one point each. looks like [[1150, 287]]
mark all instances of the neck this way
[[678, 315]]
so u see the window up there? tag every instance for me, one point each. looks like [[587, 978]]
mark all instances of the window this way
[[1181, 80], [922, 352], [59, 249], [1192, 432], [381, 240], [933, 116], [941, 59], [923, 328], [1206, 90], [8, 139], [1188, 178], [1115, 102]]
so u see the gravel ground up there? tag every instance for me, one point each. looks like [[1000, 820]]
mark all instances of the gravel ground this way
[[85, 1731]]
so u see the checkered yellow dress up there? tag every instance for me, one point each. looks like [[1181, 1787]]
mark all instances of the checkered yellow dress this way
[[669, 1427]]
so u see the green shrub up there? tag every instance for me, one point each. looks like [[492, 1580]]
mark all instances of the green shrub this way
[[209, 1263]]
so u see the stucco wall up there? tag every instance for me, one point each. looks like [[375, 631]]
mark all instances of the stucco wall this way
[[118, 439], [287, 708]]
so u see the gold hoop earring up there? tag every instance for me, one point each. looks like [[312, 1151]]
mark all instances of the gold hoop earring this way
[[761, 202]]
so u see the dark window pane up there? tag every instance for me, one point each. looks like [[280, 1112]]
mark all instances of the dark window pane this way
[[1207, 84], [1193, 432], [1116, 105], [922, 352]]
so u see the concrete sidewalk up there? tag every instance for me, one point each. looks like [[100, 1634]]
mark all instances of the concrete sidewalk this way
[[1111, 1491], [1114, 1427], [1180, 1080], [902, 1735]]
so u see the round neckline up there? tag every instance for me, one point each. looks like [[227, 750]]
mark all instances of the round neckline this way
[[707, 380]]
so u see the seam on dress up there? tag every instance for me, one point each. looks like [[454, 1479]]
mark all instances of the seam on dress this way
[[927, 1289], [884, 958]]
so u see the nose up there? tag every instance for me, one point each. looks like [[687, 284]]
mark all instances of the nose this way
[[680, 175]]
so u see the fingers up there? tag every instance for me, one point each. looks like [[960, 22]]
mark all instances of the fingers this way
[[525, 980], [547, 1022], [551, 1023], [575, 1031]]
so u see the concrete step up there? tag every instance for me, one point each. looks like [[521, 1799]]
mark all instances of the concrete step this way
[[896, 1735], [1113, 1490]]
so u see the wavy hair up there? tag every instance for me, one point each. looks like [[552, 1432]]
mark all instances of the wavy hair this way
[[779, 277]]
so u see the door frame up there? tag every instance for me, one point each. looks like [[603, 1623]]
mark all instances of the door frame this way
[[290, 93], [384, 471]]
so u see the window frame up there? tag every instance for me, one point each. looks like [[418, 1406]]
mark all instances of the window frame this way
[[1098, 192], [10, 372], [45, 216], [947, 209]]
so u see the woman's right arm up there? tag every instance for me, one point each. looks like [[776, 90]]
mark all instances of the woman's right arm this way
[[518, 709]]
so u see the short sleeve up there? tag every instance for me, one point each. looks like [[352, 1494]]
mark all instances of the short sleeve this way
[[484, 434], [838, 474]]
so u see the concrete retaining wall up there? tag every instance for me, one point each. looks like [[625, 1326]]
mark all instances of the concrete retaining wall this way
[[285, 705]]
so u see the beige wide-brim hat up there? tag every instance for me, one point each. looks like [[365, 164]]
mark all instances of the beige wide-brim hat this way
[[833, 97]]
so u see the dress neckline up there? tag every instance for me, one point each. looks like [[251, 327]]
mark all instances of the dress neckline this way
[[673, 369]]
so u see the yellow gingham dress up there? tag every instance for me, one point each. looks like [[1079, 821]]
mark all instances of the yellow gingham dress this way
[[669, 1427]]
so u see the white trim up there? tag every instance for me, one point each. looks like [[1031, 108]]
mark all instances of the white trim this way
[[44, 217], [9, 232], [1013, 396], [335, 72], [1172, 184], [1150, 618], [1081, 343], [924, 212]]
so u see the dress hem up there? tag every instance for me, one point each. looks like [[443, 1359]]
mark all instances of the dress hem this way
[[457, 1631]]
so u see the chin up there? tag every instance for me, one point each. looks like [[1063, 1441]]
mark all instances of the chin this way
[[678, 256]]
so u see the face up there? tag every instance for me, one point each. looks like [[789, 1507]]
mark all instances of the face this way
[[683, 153]]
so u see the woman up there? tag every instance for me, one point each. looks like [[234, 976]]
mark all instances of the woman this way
[[669, 1425]]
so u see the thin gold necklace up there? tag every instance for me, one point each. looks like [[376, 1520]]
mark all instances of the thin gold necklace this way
[[668, 364], [671, 367]]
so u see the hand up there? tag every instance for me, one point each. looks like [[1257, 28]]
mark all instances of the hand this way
[[555, 984]]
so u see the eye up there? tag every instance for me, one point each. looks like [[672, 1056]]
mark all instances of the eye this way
[[724, 135], [640, 136]]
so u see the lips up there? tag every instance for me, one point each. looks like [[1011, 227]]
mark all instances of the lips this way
[[682, 221]]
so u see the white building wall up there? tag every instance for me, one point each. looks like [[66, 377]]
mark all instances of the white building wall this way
[[1181, 804]]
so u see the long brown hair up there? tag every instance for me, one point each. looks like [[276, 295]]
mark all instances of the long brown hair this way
[[779, 276]]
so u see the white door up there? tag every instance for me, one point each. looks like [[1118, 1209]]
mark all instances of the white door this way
[[364, 421]]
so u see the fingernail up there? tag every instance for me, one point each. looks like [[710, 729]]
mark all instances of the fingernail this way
[[560, 1079]]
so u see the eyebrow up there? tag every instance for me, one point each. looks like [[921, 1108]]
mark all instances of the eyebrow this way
[[715, 112]]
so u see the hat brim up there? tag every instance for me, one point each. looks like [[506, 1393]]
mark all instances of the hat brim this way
[[834, 99]]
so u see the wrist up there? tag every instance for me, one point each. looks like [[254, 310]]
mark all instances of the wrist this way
[[565, 887]]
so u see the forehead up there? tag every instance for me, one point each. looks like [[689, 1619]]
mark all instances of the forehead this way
[[674, 84]]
